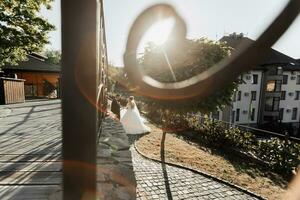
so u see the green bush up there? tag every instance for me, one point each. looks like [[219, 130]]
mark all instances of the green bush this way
[[216, 134], [244, 141], [175, 122], [170, 121], [282, 155], [154, 115]]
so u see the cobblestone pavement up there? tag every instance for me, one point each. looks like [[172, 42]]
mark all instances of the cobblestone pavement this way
[[31, 151], [180, 183]]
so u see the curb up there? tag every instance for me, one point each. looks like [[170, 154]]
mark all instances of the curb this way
[[207, 175]]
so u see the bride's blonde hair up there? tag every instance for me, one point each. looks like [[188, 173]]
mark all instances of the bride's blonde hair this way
[[131, 102]]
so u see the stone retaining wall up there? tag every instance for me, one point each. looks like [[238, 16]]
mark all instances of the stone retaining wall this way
[[116, 178]]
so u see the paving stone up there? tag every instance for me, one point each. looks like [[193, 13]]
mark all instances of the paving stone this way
[[181, 184], [104, 152], [116, 143], [4, 112], [122, 172]]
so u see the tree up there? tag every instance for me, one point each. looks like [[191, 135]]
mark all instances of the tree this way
[[53, 56], [117, 80], [22, 31], [176, 63]]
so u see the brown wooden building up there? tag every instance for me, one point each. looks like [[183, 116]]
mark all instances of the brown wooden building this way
[[41, 78]]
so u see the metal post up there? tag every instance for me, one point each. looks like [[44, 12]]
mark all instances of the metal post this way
[[80, 66]]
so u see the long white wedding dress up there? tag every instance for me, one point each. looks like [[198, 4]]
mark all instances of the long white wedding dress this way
[[132, 121]]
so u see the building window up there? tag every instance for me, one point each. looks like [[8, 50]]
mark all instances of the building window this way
[[237, 118], [255, 79], [239, 96], [278, 86], [285, 79], [276, 102], [281, 111], [274, 86], [294, 114], [298, 80], [233, 117], [252, 114], [297, 96], [271, 86], [269, 104], [283, 94], [31, 90], [253, 95], [234, 96], [272, 103]]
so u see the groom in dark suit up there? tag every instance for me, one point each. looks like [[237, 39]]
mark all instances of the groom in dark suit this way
[[115, 106]]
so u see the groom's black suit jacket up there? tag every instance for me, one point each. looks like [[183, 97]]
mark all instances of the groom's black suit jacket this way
[[115, 107]]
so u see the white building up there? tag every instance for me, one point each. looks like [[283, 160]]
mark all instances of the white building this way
[[289, 106], [269, 95], [245, 102]]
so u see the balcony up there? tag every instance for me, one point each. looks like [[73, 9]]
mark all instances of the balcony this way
[[275, 77], [273, 113], [273, 94]]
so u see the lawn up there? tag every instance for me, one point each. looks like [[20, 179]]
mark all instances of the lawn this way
[[231, 168]]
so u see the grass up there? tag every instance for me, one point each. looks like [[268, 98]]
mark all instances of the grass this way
[[231, 168]]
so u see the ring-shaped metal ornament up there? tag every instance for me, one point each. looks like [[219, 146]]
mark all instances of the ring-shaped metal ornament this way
[[216, 77]]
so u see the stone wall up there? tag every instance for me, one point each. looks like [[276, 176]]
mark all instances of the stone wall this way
[[116, 178]]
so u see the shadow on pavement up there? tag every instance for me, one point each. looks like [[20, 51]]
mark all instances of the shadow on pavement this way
[[163, 166]]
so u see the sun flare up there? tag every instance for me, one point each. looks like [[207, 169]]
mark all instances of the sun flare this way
[[159, 32]]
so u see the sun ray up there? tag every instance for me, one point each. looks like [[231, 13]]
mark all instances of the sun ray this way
[[169, 65]]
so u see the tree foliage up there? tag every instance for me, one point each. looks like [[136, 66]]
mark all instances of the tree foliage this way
[[117, 79], [186, 60], [22, 30], [53, 56]]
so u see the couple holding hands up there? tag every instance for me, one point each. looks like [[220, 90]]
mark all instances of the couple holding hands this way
[[130, 116]]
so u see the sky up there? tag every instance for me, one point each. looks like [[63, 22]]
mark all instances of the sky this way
[[204, 18]]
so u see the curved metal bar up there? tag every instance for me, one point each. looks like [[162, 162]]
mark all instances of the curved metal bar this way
[[216, 77]]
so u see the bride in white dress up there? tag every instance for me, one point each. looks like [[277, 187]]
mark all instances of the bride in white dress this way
[[132, 120]]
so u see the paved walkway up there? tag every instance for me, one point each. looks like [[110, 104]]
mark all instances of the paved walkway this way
[[175, 183], [30, 150], [30, 155]]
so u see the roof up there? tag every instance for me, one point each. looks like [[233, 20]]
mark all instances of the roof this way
[[35, 63], [275, 57]]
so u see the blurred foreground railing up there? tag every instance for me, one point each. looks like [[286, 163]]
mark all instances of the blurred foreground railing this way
[[84, 79]]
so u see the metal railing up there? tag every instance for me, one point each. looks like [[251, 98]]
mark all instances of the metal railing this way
[[256, 131], [216, 77], [83, 71]]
